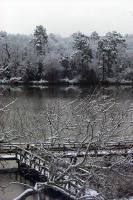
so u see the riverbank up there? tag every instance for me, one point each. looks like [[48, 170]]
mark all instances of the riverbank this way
[[65, 82]]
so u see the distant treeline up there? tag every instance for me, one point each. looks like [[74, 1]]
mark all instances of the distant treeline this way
[[77, 59]]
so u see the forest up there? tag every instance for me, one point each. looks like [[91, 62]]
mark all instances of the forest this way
[[43, 58]]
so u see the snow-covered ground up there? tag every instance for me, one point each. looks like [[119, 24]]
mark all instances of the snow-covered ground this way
[[92, 195]]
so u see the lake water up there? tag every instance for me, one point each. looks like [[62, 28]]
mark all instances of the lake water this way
[[9, 191], [25, 118]]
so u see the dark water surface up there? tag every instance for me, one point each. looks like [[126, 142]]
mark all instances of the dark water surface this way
[[11, 191]]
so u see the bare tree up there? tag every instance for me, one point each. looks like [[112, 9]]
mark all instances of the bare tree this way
[[94, 123]]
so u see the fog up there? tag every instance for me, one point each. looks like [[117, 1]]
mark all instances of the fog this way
[[66, 16]]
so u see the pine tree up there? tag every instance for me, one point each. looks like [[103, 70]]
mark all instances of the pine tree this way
[[40, 40]]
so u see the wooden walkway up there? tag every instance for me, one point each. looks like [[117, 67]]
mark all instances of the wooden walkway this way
[[26, 156], [33, 164], [70, 149]]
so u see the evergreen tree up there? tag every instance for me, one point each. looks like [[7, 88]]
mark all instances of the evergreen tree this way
[[109, 48], [40, 40], [81, 44]]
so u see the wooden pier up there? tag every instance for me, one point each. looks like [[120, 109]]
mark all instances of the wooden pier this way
[[37, 168]]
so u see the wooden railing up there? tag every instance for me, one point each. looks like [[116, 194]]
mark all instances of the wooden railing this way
[[41, 166]]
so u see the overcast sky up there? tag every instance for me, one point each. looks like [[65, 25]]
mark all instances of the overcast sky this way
[[66, 16]]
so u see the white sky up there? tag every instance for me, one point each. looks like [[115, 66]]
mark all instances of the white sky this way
[[66, 16]]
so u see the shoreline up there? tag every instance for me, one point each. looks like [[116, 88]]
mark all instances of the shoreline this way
[[61, 83]]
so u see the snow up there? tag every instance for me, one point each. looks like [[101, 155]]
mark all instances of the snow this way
[[39, 82], [92, 195], [15, 79], [92, 192], [8, 156], [71, 81], [100, 67], [23, 194]]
